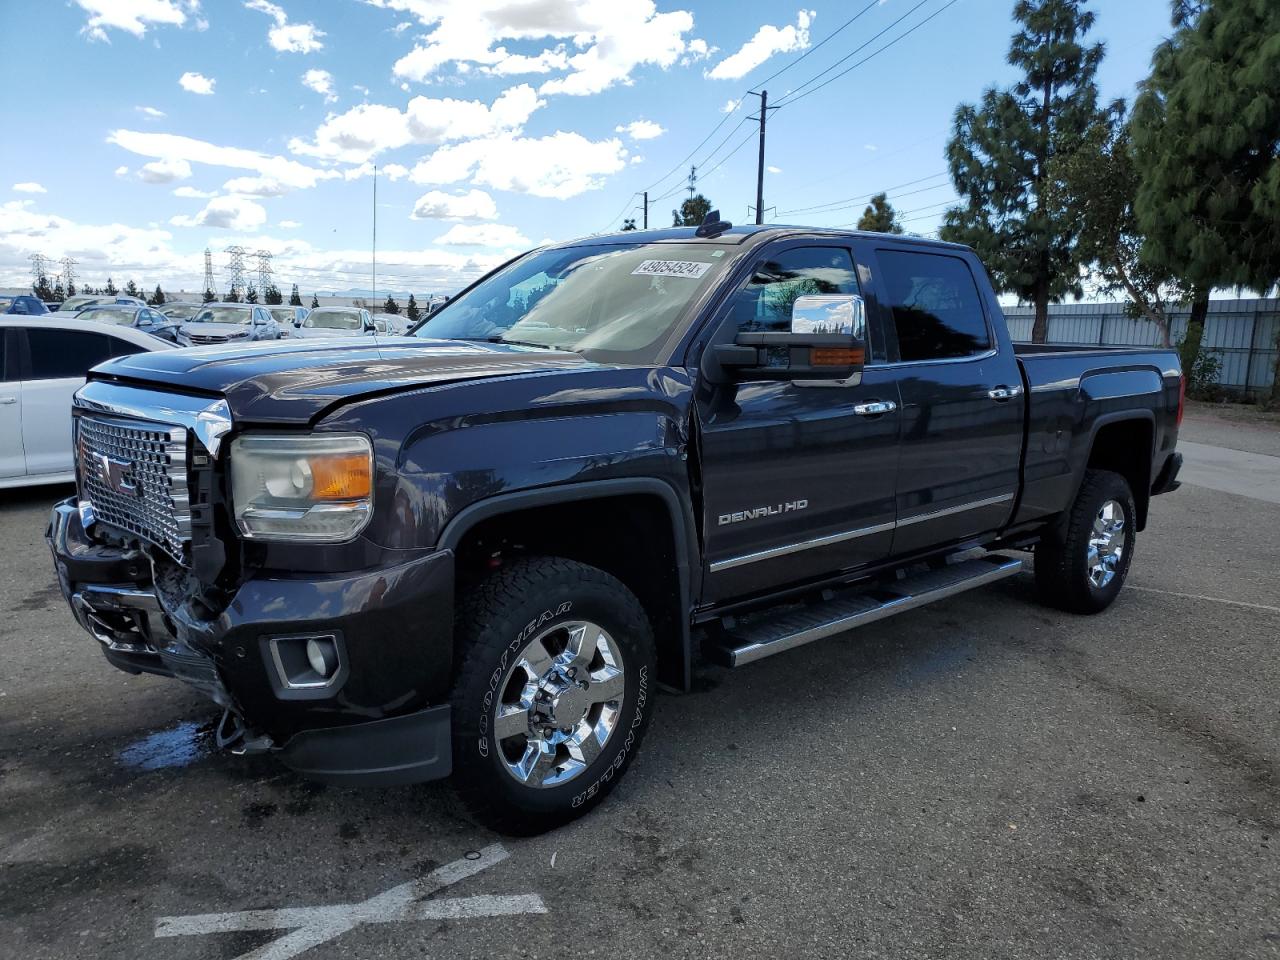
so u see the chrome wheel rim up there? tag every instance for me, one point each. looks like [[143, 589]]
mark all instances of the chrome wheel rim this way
[[1107, 543], [559, 704]]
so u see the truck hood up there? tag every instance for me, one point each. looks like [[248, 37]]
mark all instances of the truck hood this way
[[293, 381]]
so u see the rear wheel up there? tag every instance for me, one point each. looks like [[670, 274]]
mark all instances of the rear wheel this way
[[1082, 568], [551, 698]]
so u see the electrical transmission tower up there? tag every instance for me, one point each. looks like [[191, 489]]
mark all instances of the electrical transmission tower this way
[[208, 269], [68, 273], [39, 266], [264, 271], [235, 267]]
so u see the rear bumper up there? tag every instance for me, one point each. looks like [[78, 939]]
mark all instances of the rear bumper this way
[[381, 722], [1167, 481]]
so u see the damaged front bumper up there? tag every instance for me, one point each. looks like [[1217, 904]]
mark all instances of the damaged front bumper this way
[[381, 721]]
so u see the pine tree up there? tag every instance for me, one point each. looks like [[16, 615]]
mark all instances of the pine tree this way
[[271, 295], [251, 296], [879, 217], [692, 212], [71, 288], [58, 293], [411, 310], [131, 290], [210, 296], [1000, 150], [315, 301], [42, 289], [391, 306], [630, 224], [294, 299], [157, 298], [110, 289], [233, 295], [1206, 132]]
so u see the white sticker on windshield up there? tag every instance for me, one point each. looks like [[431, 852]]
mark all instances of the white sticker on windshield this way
[[671, 268]]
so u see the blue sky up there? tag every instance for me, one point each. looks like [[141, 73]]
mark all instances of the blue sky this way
[[151, 129]]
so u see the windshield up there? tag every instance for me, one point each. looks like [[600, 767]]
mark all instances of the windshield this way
[[181, 311], [75, 303], [334, 318], [107, 315], [620, 301], [282, 314], [222, 315]]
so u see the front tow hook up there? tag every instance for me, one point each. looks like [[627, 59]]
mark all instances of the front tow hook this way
[[233, 735]]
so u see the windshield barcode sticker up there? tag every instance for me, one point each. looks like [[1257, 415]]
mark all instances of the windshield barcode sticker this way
[[671, 268]]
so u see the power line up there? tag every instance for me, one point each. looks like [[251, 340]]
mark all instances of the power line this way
[[831, 36], [836, 204]]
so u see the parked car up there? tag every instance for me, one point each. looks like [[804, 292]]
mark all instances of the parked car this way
[[23, 305], [146, 319], [391, 324], [52, 305], [81, 301], [288, 317], [180, 309], [336, 322], [480, 550], [231, 322], [42, 363]]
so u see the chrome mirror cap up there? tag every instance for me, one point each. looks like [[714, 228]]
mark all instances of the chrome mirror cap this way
[[836, 314]]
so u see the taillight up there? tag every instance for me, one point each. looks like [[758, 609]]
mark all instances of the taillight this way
[[1182, 396]]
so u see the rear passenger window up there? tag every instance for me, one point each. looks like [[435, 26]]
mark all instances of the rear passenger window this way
[[122, 348], [64, 353], [764, 304], [936, 308]]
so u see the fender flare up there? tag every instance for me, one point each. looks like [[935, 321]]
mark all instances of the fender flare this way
[[1141, 497], [683, 535]]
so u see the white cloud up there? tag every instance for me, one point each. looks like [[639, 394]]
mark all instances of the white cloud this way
[[731, 105], [773, 169], [290, 224], [288, 37], [769, 40], [122, 171], [370, 128], [482, 235], [133, 16], [229, 213], [196, 83], [165, 171], [641, 129], [194, 194], [170, 146], [612, 38], [696, 50], [438, 205], [559, 166], [30, 186], [151, 112], [321, 81], [870, 147], [256, 187], [402, 26]]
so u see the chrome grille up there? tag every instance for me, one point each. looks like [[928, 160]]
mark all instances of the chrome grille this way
[[133, 476]]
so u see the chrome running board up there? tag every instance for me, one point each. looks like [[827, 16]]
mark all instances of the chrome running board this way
[[767, 634]]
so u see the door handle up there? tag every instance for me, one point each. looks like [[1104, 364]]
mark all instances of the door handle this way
[[5, 401], [1004, 393], [874, 408]]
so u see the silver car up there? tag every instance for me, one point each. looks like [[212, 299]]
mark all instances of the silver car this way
[[231, 323], [336, 322]]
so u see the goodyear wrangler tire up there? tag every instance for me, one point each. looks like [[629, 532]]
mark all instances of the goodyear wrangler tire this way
[[553, 693]]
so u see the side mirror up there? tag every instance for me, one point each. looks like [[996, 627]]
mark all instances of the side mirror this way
[[827, 341]]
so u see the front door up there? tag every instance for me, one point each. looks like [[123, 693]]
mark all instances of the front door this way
[[797, 483], [12, 459]]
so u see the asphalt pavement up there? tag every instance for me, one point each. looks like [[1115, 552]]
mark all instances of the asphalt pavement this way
[[977, 779]]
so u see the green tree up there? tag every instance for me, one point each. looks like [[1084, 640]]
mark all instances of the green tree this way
[[1206, 133], [630, 224], [157, 298], [272, 295], [411, 310], [58, 293], [110, 289], [131, 290], [315, 301], [1000, 150], [294, 299], [210, 296], [71, 288], [251, 295], [233, 296], [391, 306], [692, 212], [880, 217], [42, 289], [1095, 188]]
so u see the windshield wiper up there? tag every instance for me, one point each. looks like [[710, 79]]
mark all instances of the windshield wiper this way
[[516, 343]]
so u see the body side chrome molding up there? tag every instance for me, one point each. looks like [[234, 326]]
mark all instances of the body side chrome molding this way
[[833, 538]]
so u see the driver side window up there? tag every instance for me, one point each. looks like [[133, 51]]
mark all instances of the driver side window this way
[[764, 304]]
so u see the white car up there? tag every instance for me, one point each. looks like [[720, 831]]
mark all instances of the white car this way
[[43, 361]]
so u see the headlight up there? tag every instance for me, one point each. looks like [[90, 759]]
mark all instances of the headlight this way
[[288, 487]]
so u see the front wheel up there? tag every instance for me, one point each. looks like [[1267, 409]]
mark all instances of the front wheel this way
[[552, 696], [1082, 567]]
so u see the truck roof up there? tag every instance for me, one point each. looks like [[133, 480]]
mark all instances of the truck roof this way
[[739, 234]]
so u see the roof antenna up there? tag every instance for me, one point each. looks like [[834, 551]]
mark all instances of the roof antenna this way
[[712, 225]]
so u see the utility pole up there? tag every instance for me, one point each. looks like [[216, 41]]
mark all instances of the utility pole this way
[[208, 270], [646, 209], [764, 116]]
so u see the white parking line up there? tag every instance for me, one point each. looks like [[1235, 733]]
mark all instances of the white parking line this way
[[1196, 596], [312, 926]]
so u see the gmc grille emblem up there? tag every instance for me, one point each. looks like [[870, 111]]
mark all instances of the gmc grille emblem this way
[[116, 475]]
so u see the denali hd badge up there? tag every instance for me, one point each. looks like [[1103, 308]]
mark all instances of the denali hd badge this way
[[791, 506]]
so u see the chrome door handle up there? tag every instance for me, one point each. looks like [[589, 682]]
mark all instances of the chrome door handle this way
[[5, 401], [875, 408], [1004, 393]]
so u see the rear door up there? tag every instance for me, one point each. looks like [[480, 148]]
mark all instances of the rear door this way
[[55, 366], [797, 483], [12, 459], [962, 404]]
